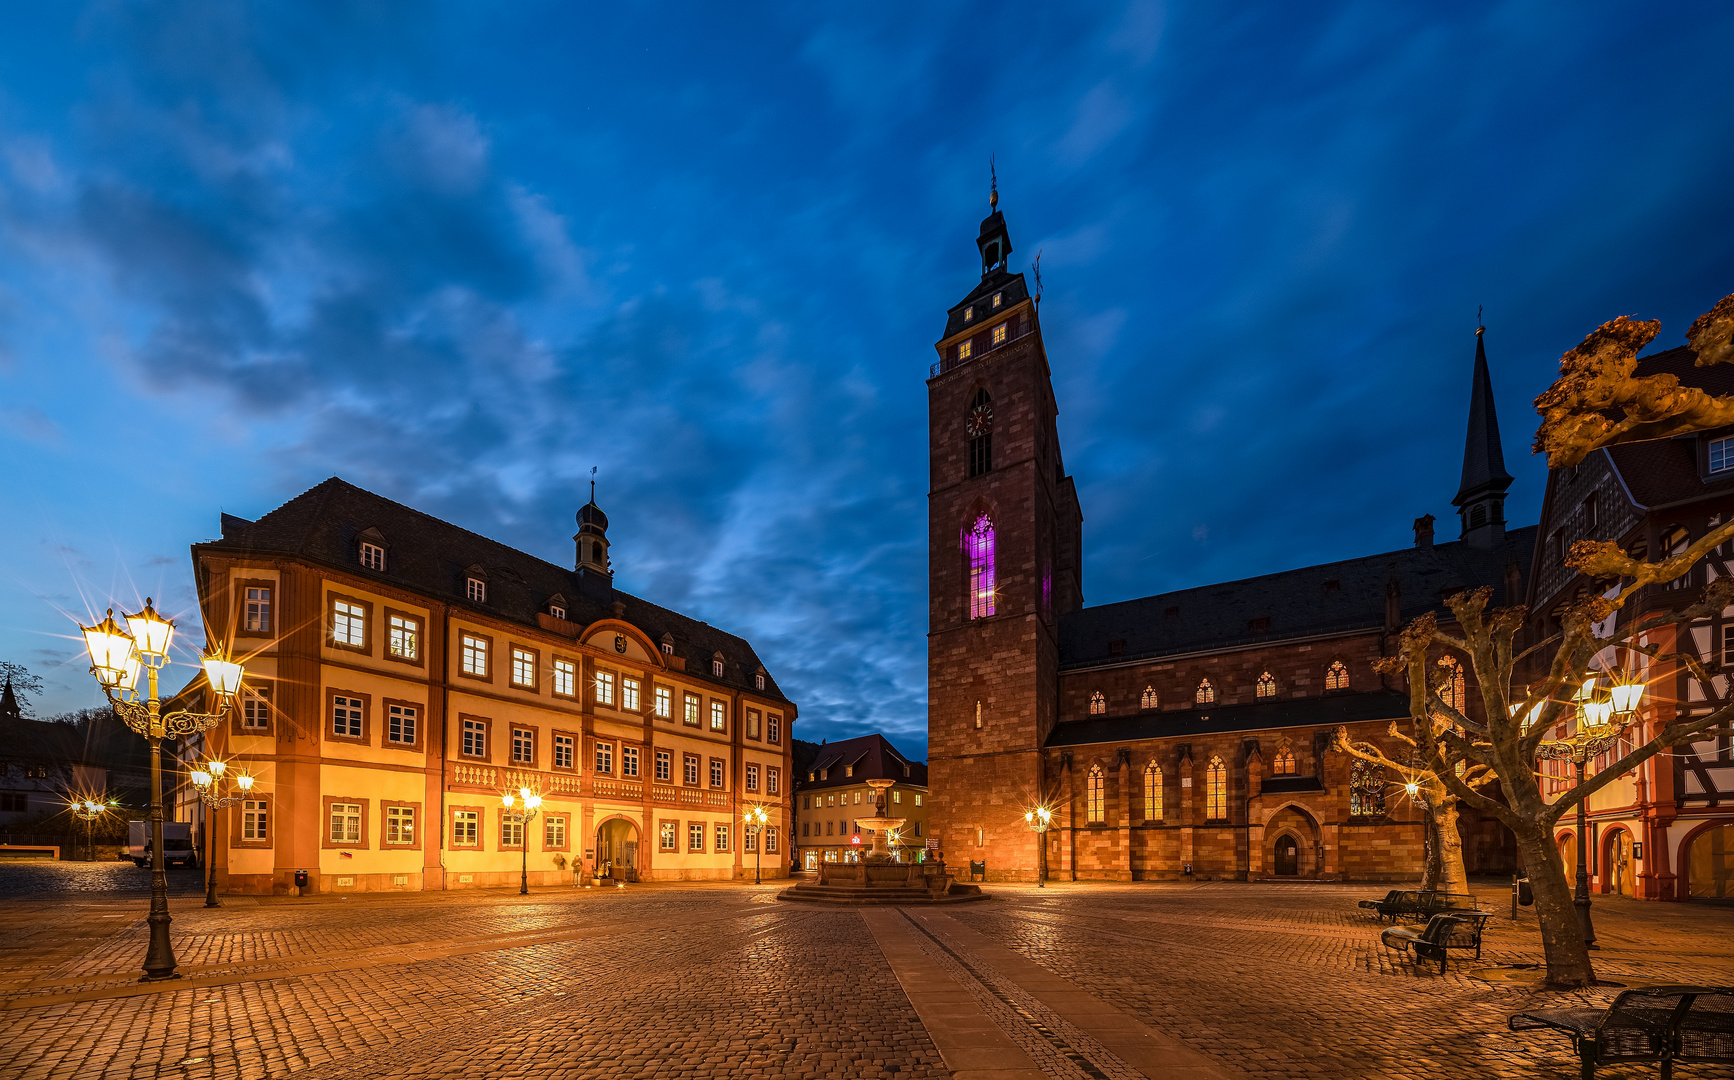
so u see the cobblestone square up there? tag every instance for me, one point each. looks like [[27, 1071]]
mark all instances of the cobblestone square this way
[[1207, 980]]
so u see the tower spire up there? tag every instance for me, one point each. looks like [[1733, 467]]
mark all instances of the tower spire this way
[[993, 186], [1480, 497]]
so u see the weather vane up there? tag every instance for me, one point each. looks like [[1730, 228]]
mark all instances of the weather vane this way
[[993, 185], [1036, 267], [1479, 326], [592, 483]]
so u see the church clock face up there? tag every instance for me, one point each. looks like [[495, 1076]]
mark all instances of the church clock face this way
[[980, 420]]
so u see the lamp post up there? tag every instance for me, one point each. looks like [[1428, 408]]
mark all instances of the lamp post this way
[[1600, 723], [532, 804], [1038, 820], [209, 782], [755, 825], [87, 811], [117, 656]]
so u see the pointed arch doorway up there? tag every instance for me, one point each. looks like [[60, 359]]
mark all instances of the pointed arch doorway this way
[[1287, 857]]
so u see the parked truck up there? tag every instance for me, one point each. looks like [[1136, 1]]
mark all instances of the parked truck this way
[[177, 843]]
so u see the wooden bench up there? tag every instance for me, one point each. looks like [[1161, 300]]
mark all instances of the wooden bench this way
[[1459, 930], [1666, 1024]]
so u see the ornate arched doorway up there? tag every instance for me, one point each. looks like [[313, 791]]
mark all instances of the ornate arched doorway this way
[[1287, 857], [617, 849]]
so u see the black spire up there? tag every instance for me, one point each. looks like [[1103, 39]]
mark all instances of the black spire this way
[[1480, 497], [9, 703]]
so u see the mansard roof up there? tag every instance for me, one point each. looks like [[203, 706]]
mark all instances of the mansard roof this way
[[1000, 281], [431, 557], [1327, 710], [1331, 598], [873, 757]]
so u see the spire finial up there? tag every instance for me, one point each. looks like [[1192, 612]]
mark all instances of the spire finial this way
[[1479, 325], [993, 186], [592, 483], [1036, 267]]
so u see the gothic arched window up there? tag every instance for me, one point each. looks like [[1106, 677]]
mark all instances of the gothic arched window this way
[[1266, 685], [1452, 686], [1337, 676], [978, 544], [1216, 790], [1284, 765], [1205, 693], [1095, 803], [1152, 793], [1366, 789], [1098, 704], [980, 428]]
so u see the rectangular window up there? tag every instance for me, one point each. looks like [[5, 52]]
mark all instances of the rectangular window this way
[[1721, 455], [773, 780], [554, 832], [475, 655], [689, 769], [771, 840], [722, 838], [475, 738], [562, 751], [511, 831], [477, 590], [404, 637], [999, 334], [667, 835], [664, 703], [523, 668], [750, 842], [964, 348], [996, 299], [978, 545], [629, 761], [664, 766], [257, 617], [523, 746], [629, 694], [896, 796], [565, 678], [604, 757], [400, 724], [695, 836], [716, 772], [752, 723], [348, 624], [345, 823], [918, 799], [464, 827], [346, 714], [373, 556], [719, 716], [604, 688], [400, 824], [774, 729], [256, 709], [255, 820], [1728, 645], [752, 777], [692, 709]]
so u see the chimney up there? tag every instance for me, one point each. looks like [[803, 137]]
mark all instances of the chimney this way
[[1424, 532]]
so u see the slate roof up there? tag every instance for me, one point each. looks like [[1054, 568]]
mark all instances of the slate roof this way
[[874, 758], [1298, 603], [1331, 709], [1665, 471], [429, 556], [1001, 281]]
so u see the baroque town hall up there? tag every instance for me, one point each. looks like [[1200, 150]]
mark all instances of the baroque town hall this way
[[1191, 732], [1183, 733]]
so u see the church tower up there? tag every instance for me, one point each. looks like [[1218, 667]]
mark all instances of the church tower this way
[[1480, 497], [1004, 544]]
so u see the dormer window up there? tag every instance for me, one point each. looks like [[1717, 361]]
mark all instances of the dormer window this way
[[996, 298], [557, 611], [809, 778], [824, 774], [668, 644], [716, 665], [969, 313], [372, 556], [1721, 454], [759, 681], [476, 589], [848, 770], [905, 768]]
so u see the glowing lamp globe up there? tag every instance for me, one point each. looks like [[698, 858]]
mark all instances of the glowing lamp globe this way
[[153, 634], [128, 681], [244, 782], [217, 767], [1627, 696], [110, 647], [223, 674], [1412, 788], [201, 778], [508, 799], [532, 802]]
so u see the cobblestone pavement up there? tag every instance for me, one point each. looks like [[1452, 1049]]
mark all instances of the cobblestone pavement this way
[[720, 980]]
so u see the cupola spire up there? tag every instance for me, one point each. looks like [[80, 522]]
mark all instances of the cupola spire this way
[[1480, 497], [595, 576]]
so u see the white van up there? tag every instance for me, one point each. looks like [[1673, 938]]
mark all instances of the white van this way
[[177, 843]]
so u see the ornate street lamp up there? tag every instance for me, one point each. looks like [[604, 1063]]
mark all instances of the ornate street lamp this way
[[209, 781], [87, 811], [116, 657], [755, 824], [1038, 820], [1600, 723], [532, 805]]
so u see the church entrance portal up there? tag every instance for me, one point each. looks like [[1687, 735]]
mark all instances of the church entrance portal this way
[[1287, 857], [617, 850]]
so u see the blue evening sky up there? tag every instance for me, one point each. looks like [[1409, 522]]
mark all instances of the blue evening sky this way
[[458, 254]]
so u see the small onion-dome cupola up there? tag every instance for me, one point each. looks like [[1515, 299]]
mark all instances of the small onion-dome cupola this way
[[595, 577]]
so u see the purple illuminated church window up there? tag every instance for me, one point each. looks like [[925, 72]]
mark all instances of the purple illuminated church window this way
[[979, 545]]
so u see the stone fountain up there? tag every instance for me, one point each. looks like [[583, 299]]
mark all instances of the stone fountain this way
[[878, 878]]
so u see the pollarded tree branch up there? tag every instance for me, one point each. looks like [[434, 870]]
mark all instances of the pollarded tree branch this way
[[1672, 735]]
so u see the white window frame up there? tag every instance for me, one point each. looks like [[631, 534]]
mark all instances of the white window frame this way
[[718, 775], [257, 615], [722, 839], [403, 637], [629, 694], [663, 703], [475, 655], [665, 766], [256, 709], [476, 589], [256, 820], [1721, 458], [554, 831], [511, 831], [352, 712], [695, 830], [564, 751], [565, 678], [473, 732], [523, 668], [466, 828], [605, 758], [523, 746], [719, 716], [400, 824], [752, 776], [628, 761], [402, 720], [349, 624], [350, 823], [372, 556], [605, 688]]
